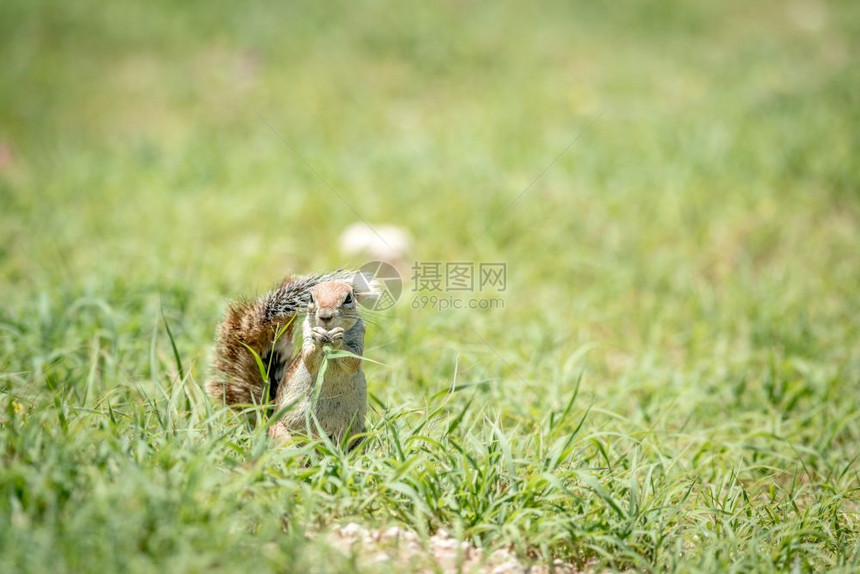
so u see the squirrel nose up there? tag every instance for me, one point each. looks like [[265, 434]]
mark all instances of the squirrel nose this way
[[325, 314]]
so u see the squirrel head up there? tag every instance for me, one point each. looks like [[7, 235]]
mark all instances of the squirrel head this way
[[333, 304]]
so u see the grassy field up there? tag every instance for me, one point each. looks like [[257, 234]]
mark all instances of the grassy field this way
[[674, 380]]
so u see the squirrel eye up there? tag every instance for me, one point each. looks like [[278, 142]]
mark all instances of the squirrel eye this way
[[311, 298], [348, 299]]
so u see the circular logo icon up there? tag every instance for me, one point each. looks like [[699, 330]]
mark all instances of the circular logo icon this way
[[382, 280]]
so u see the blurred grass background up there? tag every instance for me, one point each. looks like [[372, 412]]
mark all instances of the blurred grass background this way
[[694, 253]]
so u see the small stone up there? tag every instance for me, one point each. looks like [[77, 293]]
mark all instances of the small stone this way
[[351, 529], [392, 532]]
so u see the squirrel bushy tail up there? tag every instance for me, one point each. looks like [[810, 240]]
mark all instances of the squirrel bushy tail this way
[[236, 378]]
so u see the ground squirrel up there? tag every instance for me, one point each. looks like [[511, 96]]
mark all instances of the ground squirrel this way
[[330, 303]]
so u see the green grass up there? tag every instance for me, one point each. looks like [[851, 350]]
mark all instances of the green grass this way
[[673, 383]]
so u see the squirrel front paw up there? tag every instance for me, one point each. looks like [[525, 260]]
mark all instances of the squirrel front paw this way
[[335, 337], [320, 336]]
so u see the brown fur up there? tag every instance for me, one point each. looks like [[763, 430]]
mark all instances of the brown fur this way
[[236, 378]]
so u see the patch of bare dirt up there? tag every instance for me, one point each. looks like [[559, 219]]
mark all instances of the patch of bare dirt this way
[[403, 550]]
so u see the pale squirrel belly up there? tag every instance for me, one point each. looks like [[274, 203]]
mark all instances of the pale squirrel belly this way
[[339, 405]]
